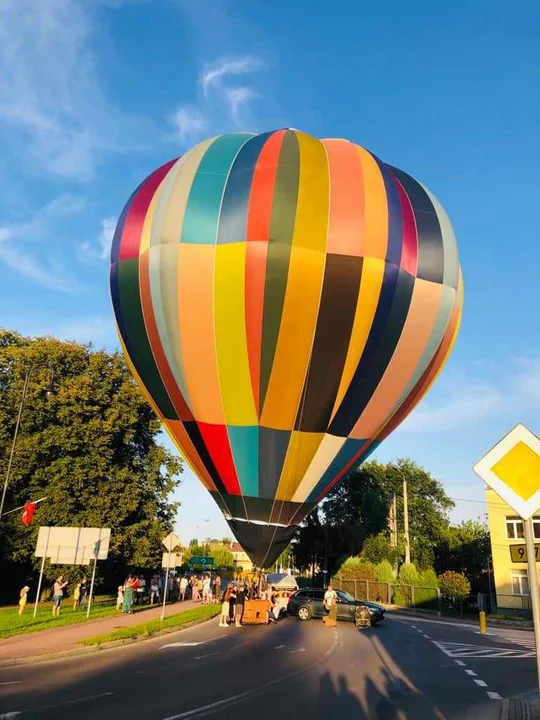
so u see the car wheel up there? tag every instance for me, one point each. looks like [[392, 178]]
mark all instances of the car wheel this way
[[304, 612]]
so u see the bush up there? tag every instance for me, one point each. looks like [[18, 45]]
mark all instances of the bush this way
[[428, 578], [384, 572], [356, 568], [408, 574], [454, 585], [378, 548]]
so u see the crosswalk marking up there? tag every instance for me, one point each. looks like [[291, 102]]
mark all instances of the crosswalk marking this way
[[516, 637], [462, 650]]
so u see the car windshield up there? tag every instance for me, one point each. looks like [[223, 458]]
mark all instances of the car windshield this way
[[345, 596]]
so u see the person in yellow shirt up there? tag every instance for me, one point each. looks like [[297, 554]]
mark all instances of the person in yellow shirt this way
[[23, 597]]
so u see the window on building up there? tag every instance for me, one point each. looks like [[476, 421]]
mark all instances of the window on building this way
[[515, 530], [520, 582]]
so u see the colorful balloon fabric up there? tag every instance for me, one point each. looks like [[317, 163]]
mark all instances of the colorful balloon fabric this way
[[284, 303]]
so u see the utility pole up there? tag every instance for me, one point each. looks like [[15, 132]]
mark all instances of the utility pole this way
[[392, 521], [406, 523]]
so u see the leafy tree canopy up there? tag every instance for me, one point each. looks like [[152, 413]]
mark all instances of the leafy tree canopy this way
[[91, 448]]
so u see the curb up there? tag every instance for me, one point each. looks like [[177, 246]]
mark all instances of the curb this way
[[87, 649]]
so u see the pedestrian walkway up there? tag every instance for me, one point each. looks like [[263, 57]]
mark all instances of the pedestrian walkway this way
[[66, 637]]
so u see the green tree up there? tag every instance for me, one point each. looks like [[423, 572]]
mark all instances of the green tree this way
[[384, 572], [454, 586], [223, 557], [92, 449], [465, 548], [378, 548]]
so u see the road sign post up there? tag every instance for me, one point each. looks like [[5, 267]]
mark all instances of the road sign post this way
[[512, 470], [171, 542]]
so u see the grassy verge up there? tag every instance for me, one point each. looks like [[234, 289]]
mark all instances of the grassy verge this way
[[171, 622], [11, 623]]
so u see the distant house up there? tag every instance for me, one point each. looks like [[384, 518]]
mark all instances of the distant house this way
[[241, 559]]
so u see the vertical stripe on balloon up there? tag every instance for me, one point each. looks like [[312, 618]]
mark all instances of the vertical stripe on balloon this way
[[258, 236], [375, 207], [300, 453], [303, 290], [279, 250], [216, 440]]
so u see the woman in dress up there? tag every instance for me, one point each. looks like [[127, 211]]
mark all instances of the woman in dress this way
[[127, 606]]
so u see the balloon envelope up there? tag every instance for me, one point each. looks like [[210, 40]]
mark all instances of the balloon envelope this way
[[284, 302]]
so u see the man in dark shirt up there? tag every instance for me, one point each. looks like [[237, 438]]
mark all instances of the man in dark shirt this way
[[239, 605]]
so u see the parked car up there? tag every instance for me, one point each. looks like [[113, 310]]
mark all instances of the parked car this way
[[307, 603]]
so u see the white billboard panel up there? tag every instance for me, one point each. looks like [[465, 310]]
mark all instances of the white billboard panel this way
[[73, 545]]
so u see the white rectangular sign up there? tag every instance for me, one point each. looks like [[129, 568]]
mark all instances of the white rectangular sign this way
[[176, 560], [73, 545]]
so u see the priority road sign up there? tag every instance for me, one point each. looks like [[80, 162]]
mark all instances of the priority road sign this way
[[200, 560], [512, 470]]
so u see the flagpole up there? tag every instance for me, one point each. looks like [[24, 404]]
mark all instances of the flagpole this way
[[21, 507]]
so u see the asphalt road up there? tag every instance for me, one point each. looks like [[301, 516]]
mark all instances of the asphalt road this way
[[406, 670]]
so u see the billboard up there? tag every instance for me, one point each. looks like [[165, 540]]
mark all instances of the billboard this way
[[72, 545]]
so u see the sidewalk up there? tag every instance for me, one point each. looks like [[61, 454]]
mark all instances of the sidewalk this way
[[56, 640]]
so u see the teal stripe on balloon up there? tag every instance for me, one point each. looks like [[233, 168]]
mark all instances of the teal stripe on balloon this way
[[244, 441], [451, 258], [204, 202]]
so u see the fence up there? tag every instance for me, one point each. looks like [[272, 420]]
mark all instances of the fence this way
[[426, 598]]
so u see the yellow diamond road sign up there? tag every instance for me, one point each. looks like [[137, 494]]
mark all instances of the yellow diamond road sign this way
[[512, 470]]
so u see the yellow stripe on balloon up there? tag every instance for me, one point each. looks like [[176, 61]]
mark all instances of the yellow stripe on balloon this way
[[300, 453], [368, 298], [326, 452], [231, 339], [304, 284]]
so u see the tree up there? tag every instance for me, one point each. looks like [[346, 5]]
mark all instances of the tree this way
[[378, 548], [454, 586], [91, 449], [223, 557], [465, 548]]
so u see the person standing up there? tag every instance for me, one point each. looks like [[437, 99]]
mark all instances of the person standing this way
[[217, 587], [154, 589], [84, 590], [129, 587], [23, 597], [77, 596], [206, 589], [239, 605], [141, 587], [330, 603], [58, 593], [225, 610], [183, 587], [232, 601], [120, 597]]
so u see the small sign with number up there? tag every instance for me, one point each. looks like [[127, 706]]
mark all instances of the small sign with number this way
[[518, 553]]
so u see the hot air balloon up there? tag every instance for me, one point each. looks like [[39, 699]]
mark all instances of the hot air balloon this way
[[284, 303]]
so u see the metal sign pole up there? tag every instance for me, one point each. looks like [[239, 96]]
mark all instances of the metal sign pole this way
[[166, 584], [96, 553], [41, 573], [533, 587]]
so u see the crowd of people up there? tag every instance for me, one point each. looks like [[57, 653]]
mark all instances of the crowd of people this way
[[136, 591]]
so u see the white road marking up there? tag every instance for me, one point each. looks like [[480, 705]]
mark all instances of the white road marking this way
[[200, 657], [11, 682], [458, 662], [493, 695], [183, 644], [480, 651], [298, 650], [278, 647], [426, 636], [471, 673], [480, 683], [16, 713], [235, 699], [9, 715]]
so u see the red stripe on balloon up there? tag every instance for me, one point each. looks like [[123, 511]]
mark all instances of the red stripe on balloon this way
[[133, 225], [409, 252], [257, 235], [216, 440]]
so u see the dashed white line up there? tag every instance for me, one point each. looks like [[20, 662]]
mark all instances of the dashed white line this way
[[471, 673], [493, 695], [460, 663], [11, 682], [200, 657], [480, 683], [278, 647]]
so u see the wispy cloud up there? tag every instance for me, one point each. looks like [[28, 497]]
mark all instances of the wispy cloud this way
[[461, 402], [100, 249], [22, 244], [223, 94], [50, 97]]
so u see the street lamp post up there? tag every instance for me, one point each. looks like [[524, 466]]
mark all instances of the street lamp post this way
[[48, 390]]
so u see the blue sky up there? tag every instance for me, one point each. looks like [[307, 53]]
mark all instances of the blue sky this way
[[94, 94]]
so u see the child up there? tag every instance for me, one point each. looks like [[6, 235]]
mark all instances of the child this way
[[225, 609], [23, 598], [120, 597]]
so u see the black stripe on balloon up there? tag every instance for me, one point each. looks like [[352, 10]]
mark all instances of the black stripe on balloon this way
[[430, 239], [386, 330], [394, 247], [234, 207], [196, 438], [279, 251], [129, 316], [337, 310], [273, 446]]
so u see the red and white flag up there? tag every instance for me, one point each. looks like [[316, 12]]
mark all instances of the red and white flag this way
[[28, 514]]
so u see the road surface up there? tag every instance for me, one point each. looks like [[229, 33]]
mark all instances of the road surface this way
[[408, 669]]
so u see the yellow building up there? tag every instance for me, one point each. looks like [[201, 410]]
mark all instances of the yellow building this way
[[241, 560], [505, 529]]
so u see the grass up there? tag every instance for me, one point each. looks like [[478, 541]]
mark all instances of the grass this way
[[11, 623], [171, 622]]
